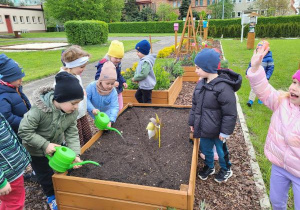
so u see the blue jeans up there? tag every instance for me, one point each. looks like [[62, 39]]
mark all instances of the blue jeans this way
[[280, 183], [206, 147]]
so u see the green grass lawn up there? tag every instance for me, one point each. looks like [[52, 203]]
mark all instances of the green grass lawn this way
[[286, 56], [63, 35], [39, 64]]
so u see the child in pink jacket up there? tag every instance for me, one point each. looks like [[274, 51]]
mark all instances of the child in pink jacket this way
[[282, 146]]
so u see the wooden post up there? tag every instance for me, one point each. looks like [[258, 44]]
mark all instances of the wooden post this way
[[205, 33], [150, 44], [250, 40], [175, 42]]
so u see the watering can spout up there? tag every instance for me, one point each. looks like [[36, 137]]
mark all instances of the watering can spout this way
[[101, 122], [83, 162]]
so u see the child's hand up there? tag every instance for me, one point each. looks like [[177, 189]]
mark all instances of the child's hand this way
[[192, 128], [132, 79], [109, 124], [258, 55], [5, 190], [221, 138], [125, 85], [95, 111], [51, 148], [116, 84], [84, 92], [77, 160]]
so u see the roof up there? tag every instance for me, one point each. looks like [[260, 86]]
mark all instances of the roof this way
[[33, 7]]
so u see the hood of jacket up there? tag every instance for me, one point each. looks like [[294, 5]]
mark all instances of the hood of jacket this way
[[151, 58], [43, 97], [229, 77]]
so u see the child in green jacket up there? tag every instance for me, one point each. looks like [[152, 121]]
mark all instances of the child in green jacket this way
[[13, 160], [51, 119]]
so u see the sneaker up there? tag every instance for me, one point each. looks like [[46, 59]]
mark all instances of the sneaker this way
[[30, 177], [206, 171], [52, 202], [259, 102], [249, 103], [223, 175]]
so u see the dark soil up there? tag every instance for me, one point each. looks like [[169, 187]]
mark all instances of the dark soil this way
[[138, 160]]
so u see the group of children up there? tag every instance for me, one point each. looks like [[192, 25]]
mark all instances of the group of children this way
[[58, 115], [53, 119]]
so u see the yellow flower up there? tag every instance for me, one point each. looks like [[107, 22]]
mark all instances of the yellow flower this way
[[128, 70], [122, 73]]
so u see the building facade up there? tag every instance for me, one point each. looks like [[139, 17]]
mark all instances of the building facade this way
[[25, 19]]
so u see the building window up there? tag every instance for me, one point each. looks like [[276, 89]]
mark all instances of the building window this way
[[174, 3], [233, 14], [33, 19], [15, 19], [27, 19], [239, 14], [178, 3], [262, 12], [240, 1], [21, 19], [196, 3], [213, 2], [1, 21], [201, 2], [39, 19], [233, 1], [248, 1], [208, 2]]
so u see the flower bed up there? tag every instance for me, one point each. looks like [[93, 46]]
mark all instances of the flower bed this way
[[85, 193]]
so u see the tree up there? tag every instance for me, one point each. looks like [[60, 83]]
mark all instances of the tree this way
[[7, 2], [147, 14], [165, 12], [64, 10], [183, 9], [130, 11], [217, 9], [273, 7]]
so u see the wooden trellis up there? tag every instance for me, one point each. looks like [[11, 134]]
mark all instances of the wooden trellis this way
[[199, 31], [191, 42]]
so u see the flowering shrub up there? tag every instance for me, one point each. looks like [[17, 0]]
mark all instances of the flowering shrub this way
[[128, 74], [166, 52]]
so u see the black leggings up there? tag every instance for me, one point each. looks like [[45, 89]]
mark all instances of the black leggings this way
[[143, 96]]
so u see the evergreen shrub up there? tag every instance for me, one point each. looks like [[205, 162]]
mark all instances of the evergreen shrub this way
[[86, 32]]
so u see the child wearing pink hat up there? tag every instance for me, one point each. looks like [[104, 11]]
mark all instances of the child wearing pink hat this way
[[282, 145]]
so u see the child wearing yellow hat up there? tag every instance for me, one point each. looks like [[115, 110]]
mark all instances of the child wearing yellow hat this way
[[115, 54]]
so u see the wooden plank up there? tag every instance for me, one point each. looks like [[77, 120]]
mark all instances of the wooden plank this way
[[184, 187], [61, 207], [120, 191], [77, 201], [162, 105], [190, 79], [193, 174], [159, 101], [155, 93], [91, 141], [176, 91], [190, 74], [189, 68], [129, 100]]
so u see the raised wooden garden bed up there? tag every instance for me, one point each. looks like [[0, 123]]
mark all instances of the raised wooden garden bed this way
[[190, 74], [85, 193], [158, 96]]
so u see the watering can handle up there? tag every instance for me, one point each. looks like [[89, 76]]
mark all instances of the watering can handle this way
[[48, 156], [84, 162]]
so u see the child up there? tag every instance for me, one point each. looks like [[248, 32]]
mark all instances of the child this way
[[283, 139], [75, 60], [13, 160], [268, 64], [52, 119], [213, 114], [13, 102], [101, 94], [144, 73], [115, 54]]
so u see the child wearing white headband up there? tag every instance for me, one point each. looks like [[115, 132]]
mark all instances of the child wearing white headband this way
[[75, 60]]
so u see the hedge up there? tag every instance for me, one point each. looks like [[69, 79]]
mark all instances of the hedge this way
[[86, 32], [282, 26]]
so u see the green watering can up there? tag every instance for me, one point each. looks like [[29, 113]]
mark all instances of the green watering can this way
[[101, 122], [62, 159]]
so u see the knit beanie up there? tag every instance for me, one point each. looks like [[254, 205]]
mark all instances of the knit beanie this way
[[297, 75], [208, 60], [116, 49], [9, 69], [143, 47], [108, 72], [67, 88]]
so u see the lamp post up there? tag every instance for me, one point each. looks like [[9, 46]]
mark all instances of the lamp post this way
[[176, 27]]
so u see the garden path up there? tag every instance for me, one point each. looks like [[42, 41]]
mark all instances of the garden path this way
[[88, 75]]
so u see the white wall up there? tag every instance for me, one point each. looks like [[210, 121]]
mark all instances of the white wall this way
[[35, 17]]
